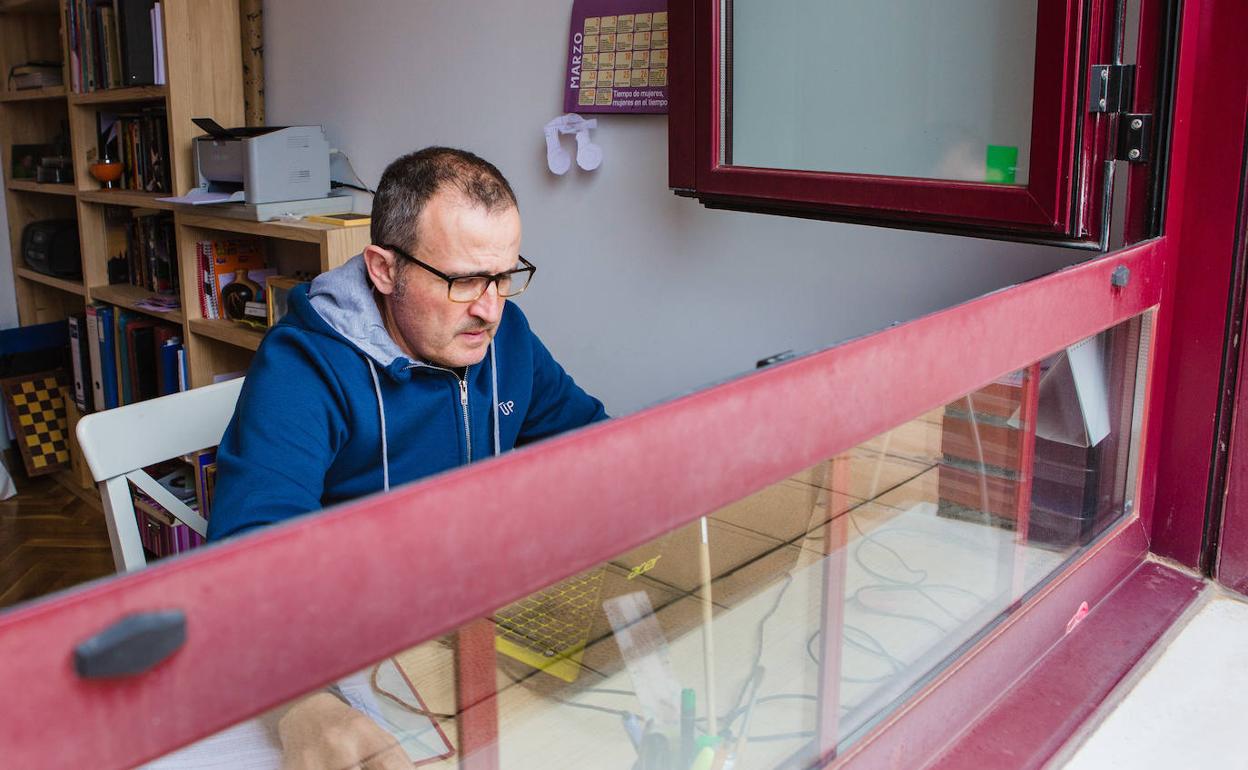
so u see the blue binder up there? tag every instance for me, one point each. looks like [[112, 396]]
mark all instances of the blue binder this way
[[108, 354]]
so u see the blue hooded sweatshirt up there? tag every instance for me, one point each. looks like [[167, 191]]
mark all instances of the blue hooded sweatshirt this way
[[332, 410]]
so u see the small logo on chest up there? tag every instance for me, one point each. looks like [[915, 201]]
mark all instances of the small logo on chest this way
[[507, 407]]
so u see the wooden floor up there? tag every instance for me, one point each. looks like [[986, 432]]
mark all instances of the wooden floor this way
[[50, 539]]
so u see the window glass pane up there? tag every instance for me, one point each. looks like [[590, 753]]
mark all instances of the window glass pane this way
[[894, 88], [779, 626]]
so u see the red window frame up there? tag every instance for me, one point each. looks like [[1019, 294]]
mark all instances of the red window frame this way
[[247, 601], [1062, 199]]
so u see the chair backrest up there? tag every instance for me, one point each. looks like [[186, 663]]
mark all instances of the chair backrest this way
[[119, 443]]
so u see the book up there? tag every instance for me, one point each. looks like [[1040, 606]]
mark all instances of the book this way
[[79, 346], [143, 367], [168, 343], [124, 318], [103, 355], [200, 462], [232, 257], [35, 75], [158, 44], [134, 32]]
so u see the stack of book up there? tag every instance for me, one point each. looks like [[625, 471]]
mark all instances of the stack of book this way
[[122, 357], [140, 142], [151, 252], [190, 479], [35, 75], [115, 44], [224, 262]]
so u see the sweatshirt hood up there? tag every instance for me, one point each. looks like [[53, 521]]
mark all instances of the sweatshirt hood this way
[[343, 298]]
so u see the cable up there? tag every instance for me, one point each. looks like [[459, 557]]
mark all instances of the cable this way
[[334, 183], [758, 648], [351, 168]]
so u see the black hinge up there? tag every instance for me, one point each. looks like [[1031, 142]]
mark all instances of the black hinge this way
[[1135, 137], [1110, 89]]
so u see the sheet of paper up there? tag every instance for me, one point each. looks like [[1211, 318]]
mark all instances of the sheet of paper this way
[[251, 745], [198, 197]]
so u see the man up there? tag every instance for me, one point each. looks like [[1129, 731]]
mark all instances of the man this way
[[406, 361]]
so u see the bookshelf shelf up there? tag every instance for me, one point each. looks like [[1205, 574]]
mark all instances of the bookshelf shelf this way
[[129, 297], [226, 331], [126, 198], [33, 94], [120, 95], [47, 189], [47, 280], [309, 232], [28, 6]]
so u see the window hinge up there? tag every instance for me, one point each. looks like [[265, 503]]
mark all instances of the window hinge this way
[[1135, 137], [1110, 87], [1110, 90]]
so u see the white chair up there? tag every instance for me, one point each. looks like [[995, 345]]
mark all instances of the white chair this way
[[119, 443]]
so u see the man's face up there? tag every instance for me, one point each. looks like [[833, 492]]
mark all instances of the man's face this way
[[458, 238]]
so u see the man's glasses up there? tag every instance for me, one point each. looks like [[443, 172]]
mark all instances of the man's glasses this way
[[470, 288]]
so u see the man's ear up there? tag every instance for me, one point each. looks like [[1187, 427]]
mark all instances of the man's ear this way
[[383, 268]]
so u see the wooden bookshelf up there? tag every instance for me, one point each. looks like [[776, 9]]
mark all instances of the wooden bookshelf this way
[[33, 94], [28, 6], [133, 94], [202, 79], [133, 198], [71, 287], [228, 332], [218, 346], [129, 297], [43, 187], [311, 232]]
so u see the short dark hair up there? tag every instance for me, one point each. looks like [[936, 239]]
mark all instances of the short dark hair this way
[[408, 183]]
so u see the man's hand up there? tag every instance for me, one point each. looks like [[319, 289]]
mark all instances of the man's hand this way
[[321, 732]]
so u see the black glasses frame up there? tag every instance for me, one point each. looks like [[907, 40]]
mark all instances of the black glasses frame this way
[[493, 278]]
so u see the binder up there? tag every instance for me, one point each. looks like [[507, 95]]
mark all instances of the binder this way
[[168, 343], [142, 363], [80, 350], [134, 30], [103, 360], [124, 319]]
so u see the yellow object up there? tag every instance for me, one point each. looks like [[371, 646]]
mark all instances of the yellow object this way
[[349, 219], [548, 630], [704, 759]]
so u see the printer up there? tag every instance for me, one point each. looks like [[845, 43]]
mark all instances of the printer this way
[[262, 164]]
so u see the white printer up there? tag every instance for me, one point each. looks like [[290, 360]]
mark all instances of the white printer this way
[[262, 164]]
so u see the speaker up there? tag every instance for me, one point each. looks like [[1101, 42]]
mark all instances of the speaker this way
[[50, 246]]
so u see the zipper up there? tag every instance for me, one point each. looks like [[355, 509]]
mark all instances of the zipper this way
[[463, 402], [463, 398]]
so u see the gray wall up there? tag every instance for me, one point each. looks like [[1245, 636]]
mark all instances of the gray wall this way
[[639, 293]]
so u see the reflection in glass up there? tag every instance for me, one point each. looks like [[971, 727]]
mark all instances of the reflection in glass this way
[[895, 88], [833, 596]]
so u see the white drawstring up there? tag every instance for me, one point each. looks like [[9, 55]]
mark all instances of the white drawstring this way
[[381, 413], [494, 392]]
